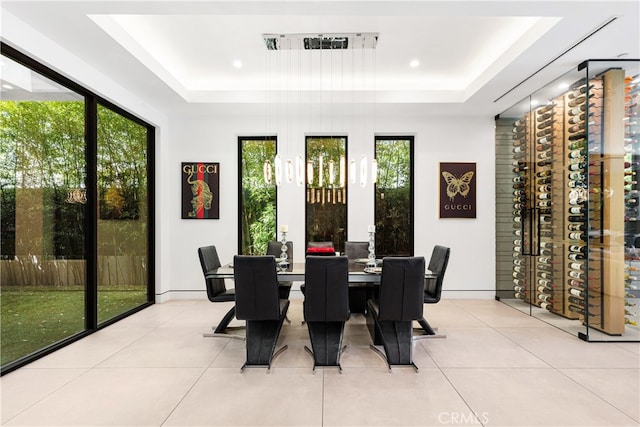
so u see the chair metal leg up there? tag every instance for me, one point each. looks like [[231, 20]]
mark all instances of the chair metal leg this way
[[220, 331], [429, 332]]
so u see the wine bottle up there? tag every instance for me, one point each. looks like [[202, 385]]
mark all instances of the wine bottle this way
[[576, 102], [544, 267], [576, 235], [518, 282], [544, 132], [546, 108], [517, 275], [519, 295], [545, 283], [546, 124], [518, 288], [575, 256], [576, 227], [576, 128], [577, 166], [577, 292], [576, 283], [543, 146], [578, 310], [576, 210], [577, 119], [577, 266], [544, 297], [578, 248], [545, 180], [544, 188], [546, 305], [574, 274], [576, 218], [543, 289], [543, 117], [579, 143], [518, 262], [577, 153], [575, 300]]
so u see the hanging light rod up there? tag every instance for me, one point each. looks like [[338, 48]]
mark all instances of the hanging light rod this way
[[314, 41]]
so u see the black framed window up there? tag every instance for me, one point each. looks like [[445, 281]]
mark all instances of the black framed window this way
[[52, 240], [326, 190], [394, 196], [257, 198]]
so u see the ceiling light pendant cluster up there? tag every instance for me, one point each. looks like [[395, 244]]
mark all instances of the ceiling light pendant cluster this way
[[295, 172]]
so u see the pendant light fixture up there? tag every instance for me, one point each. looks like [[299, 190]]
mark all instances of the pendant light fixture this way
[[287, 170]]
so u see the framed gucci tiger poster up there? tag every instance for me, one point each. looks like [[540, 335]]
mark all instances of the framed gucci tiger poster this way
[[457, 190], [200, 190]]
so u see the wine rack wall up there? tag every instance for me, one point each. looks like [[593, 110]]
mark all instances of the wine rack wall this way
[[575, 216]]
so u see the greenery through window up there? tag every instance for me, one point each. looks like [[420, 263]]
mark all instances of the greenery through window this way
[[257, 199], [49, 296], [326, 194], [42, 211], [123, 218], [394, 196]]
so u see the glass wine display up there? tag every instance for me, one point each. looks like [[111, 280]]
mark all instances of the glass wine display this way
[[575, 173]]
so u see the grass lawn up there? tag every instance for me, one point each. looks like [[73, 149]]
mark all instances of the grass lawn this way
[[34, 317]]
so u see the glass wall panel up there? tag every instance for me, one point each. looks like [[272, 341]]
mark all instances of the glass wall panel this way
[[42, 212], [394, 196], [123, 214], [257, 198], [326, 192], [574, 217]]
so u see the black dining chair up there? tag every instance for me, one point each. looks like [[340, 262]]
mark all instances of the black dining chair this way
[[216, 288], [433, 287], [275, 248], [390, 318], [359, 293], [259, 305], [326, 307]]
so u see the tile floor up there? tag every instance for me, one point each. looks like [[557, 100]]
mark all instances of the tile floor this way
[[497, 367]]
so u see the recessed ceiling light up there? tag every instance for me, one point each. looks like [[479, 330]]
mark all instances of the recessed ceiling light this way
[[237, 63], [414, 63], [7, 86], [563, 86], [534, 102]]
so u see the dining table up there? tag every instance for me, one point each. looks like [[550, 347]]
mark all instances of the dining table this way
[[294, 272]]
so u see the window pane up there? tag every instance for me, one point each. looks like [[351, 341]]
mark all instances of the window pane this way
[[123, 219], [257, 197], [326, 213], [42, 210], [394, 197]]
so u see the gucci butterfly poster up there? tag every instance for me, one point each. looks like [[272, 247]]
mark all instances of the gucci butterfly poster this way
[[457, 190]]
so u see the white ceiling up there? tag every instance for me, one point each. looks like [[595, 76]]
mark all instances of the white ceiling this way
[[179, 55]]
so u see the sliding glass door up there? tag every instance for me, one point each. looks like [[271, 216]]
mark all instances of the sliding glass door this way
[[76, 211]]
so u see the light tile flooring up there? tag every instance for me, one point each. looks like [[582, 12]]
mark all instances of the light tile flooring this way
[[497, 367]]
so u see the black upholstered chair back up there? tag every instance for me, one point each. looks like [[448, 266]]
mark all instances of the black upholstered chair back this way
[[256, 285], [438, 265], [275, 248], [354, 250], [326, 289], [402, 288], [209, 261]]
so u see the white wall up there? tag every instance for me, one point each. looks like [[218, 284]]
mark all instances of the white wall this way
[[471, 272], [213, 137], [36, 45]]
